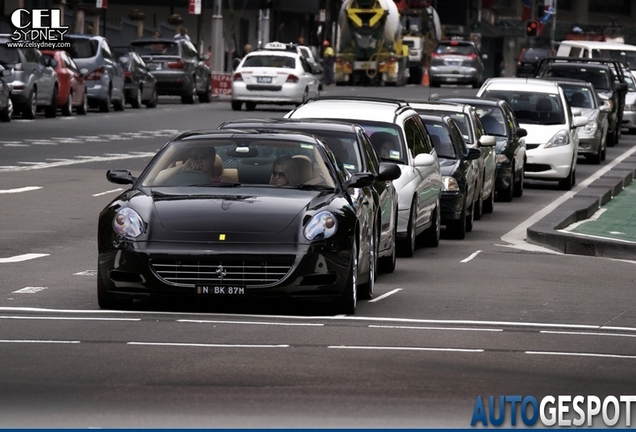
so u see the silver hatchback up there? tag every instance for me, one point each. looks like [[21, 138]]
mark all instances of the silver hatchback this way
[[456, 62]]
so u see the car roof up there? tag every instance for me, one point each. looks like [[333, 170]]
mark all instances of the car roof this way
[[599, 45], [441, 106], [247, 133], [563, 80], [263, 123], [372, 109], [522, 84], [274, 52], [473, 100], [83, 36]]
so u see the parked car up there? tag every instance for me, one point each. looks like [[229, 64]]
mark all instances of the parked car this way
[[460, 173], [606, 76], [140, 86], [275, 75], [629, 112], [456, 62], [475, 136], [353, 149], [178, 68], [103, 74], [72, 88], [314, 63], [499, 120], [542, 109], [6, 106], [33, 83], [398, 136], [592, 137], [182, 230], [529, 59]]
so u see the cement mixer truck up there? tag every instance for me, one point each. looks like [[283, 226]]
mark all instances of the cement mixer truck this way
[[369, 49]]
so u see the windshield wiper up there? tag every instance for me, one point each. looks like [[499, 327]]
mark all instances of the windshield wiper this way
[[314, 187]]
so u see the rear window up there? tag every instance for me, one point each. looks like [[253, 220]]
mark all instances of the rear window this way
[[534, 108], [8, 56], [454, 49], [156, 48], [598, 77], [270, 61], [82, 48]]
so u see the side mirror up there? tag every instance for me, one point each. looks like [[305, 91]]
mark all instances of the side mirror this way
[[487, 141], [473, 153], [579, 121], [389, 171], [120, 177], [576, 112], [521, 132], [424, 160], [360, 179]]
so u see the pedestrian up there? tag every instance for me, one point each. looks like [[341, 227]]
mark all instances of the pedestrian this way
[[301, 40], [328, 60], [156, 34], [208, 54], [182, 35]]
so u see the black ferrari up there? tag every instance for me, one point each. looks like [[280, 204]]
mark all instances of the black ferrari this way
[[239, 214]]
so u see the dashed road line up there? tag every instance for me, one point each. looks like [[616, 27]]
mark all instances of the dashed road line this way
[[471, 257], [19, 190], [20, 258], [385, 295]]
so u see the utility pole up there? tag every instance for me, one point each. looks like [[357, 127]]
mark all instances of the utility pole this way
[[218, 45], [263, 23]]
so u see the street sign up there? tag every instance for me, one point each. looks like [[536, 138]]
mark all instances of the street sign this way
[[101, 4], [221, 84], [195, 7]]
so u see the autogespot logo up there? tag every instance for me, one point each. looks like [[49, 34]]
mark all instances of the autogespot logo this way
[[38, 28], [562, 410]]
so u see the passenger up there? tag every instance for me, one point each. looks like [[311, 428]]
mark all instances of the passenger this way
[[204, 162], [285, 173]]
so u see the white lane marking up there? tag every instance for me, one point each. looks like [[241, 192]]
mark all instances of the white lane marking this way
[[588, 333], [573, 354], [107, 192], [206, 345], [27, 166], [38, 341], [406, 348], [86, 273], [385, 295], [329, 318], [470, 257], [20, 258], [575, 225], [30, 290], [70, 318], [434, 328], [516, 238], [19, 190], [250, 322]]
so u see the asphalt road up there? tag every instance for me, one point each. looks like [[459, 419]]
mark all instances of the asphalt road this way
[[487, 315]]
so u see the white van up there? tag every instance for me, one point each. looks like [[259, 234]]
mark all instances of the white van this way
[[623, 53]]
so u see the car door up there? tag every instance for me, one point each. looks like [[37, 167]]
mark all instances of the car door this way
[[516, 142], [115, 70], [488, 153], [309, 78], [428, 190], [43, 75], [470, 167]]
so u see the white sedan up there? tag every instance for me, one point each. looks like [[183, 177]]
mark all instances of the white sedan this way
[[274, 75]]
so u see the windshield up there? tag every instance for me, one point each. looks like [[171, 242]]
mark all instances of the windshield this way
[[628, 58], [598, 77], [240, 161], [579, 97], [386, 140], [441, 138], [532, 107], [461, 119], [82, 48]]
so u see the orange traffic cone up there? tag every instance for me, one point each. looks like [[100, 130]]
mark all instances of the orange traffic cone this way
[[425, 79]]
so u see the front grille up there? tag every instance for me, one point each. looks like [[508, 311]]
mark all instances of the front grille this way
[[537, 167], [532, 146], [241, 270]]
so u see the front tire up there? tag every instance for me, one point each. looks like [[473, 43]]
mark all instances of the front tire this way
[[348, 300], [407, 246], [367, 290], [432, 235], [51, 110], [135, 102], [67, 109], [30, 109]]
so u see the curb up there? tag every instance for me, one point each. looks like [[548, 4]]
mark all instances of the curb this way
[[582, 206]]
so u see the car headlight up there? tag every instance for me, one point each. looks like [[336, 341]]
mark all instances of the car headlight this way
[[502, 158], [128, 223], [590, 127], [322, 225], [450, 183], [561, 138]]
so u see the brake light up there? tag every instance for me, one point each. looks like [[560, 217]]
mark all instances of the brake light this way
[[127, 74], [237, 77], [435, 55], [179, 64], [96, 75], [473, 56], [292, 78]]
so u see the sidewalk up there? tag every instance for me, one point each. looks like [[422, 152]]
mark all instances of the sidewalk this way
[[600, 220]]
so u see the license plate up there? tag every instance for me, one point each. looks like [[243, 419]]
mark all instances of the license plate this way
[[263, 80], [220, 290], [154, 66]]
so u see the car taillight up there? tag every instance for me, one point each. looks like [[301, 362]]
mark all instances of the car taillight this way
[[179, 64], [292, 78], [472, 56], [127, 74], [96, 75], [237, 77], [435, 55]]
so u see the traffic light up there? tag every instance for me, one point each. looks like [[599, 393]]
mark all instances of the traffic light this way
[[531, 28]]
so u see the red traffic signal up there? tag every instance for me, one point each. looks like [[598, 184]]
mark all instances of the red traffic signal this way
[[531, 28]]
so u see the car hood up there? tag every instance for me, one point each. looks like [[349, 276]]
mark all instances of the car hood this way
[[540, 134], [448, 166], [232, 212]]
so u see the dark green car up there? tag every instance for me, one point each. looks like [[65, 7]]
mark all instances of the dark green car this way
[[499, 120]]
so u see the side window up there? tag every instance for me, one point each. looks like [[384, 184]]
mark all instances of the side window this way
[[188, 49], [575, 52], [306, 67], [414, 136], [481, 131], [426, 138], [371, 155], [458, 137]]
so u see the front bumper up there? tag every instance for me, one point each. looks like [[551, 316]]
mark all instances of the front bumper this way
[[452, 204], [142, 270], [551, 163], [629, 119]]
